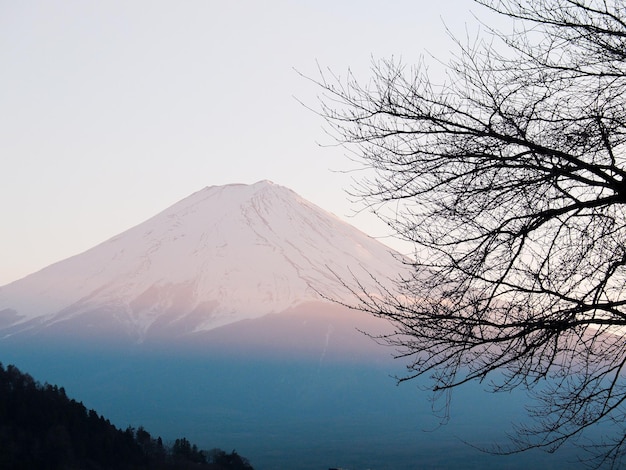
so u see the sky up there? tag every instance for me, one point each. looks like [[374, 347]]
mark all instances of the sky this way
[[112, 111]]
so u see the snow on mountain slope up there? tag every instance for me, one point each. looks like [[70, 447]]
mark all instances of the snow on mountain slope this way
[[221, 255]]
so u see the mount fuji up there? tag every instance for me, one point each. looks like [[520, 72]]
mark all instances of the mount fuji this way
[[223, 255], [211, 320]]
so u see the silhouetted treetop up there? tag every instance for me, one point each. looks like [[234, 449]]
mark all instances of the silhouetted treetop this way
[[41, 428]]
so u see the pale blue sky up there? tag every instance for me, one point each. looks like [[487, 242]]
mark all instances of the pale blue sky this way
[[111, 111]]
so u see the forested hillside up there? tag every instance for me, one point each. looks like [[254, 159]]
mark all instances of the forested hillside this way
[[41, 428]]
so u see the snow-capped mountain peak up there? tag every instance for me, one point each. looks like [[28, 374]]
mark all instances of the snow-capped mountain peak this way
[[223, 254]]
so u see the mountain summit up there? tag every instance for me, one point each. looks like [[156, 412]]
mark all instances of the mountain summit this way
[[222, 255]]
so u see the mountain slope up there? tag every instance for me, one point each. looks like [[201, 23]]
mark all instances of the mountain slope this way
[[219, 256]]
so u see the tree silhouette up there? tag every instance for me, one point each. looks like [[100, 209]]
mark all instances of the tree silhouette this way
[[41, 428], [510, 180]]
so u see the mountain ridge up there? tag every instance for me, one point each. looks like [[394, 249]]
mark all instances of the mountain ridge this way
[[218, 256]]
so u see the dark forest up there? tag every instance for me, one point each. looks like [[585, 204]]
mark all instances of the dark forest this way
[[41, 428]]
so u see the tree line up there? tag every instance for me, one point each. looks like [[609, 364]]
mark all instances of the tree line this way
[[41, 428]]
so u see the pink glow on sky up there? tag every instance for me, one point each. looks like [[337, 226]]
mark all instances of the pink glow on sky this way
[[112, 111]]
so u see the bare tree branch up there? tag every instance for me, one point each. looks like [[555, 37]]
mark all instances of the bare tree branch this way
[[510, 181]]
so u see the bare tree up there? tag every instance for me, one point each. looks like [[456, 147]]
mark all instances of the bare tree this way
[[510, 180]]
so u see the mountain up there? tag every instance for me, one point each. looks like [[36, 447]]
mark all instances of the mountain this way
[[210, 320], [223, 255]]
